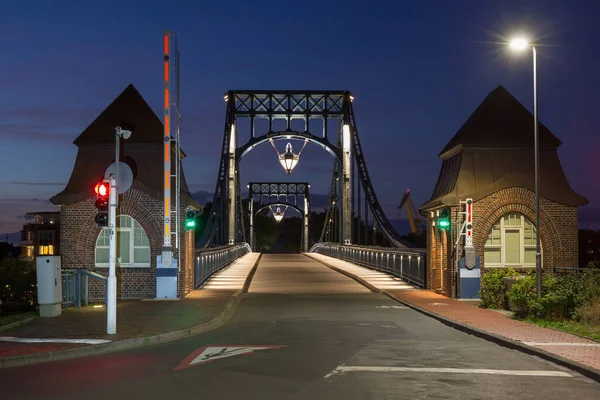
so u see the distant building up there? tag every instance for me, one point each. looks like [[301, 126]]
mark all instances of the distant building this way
[[140, 212], [41, 236], [491, 160]]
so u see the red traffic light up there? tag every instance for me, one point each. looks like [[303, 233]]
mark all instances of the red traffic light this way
[[101, 189]]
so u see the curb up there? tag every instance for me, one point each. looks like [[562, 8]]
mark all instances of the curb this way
[[128, 344], [15, 324], [584, 370]]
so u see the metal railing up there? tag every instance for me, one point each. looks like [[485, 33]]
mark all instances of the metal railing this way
[[406, 264], [75, 290], [211, 260]]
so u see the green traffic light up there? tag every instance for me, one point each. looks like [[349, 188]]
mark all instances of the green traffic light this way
[[444, 220], [190, 219]]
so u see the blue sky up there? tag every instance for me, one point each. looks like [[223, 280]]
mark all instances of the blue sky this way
[[417, 69]]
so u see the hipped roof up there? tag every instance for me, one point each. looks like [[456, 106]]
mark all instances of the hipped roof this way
[[145, 147], [493, 150], [501, 121]]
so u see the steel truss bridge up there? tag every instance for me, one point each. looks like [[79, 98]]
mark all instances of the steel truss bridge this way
[[337, 133]]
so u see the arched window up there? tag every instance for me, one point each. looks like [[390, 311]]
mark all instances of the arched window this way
[[511, 243], [133, 248]]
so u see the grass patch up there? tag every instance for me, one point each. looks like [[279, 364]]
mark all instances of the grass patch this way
[[592, 332], [9, 319]]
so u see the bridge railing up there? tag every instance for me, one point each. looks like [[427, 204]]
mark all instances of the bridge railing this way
[[211, 260], [406, 264]]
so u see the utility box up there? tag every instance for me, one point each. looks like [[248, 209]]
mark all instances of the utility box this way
[[49, 285], [166, 279], [469, 278]]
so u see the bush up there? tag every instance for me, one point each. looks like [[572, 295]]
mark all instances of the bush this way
[[523, 296], [493, 288], [589, 313], [590, 286], [18, 290], [560, 298]]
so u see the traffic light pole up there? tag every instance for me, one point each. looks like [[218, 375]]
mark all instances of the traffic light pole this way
[[111, 296]]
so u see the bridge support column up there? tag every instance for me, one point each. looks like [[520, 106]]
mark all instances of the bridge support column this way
[[346, 206], [251, 206], [305, 237], [231, 188]]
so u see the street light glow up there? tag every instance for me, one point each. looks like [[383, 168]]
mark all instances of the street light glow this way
[[519, 44]]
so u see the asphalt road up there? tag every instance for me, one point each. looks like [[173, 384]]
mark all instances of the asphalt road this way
[[316, 335]]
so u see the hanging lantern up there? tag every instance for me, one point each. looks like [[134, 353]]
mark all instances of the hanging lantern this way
[[278, 215], [289, 159]]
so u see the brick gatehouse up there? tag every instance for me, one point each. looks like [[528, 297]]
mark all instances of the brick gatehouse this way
[[83, 243], [491, 160]]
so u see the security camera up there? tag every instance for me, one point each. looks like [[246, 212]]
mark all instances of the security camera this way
[[125, 134]]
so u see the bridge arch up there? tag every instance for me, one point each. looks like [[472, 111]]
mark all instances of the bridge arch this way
[[254, 142]]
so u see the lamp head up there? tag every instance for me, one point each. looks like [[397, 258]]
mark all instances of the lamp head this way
[[519, 44]]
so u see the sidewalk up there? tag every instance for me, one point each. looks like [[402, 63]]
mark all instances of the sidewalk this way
[[571, 350], [139, 322]]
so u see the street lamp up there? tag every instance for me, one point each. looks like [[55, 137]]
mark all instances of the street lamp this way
[[289, 159], [278, 215], [521, 44]]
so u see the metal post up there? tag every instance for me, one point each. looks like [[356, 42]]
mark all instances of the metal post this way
[[305, 230], [167, 248], [111, 296], [538, 265], [346, 186], [251, 206], [231, 189]]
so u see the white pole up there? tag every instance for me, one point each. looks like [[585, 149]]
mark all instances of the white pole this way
[[111, 299], [536, 145]]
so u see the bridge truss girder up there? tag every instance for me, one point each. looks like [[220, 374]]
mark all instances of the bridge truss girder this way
[[225, 224], [279, 190]]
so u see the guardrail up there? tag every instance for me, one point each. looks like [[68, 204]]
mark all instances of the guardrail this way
[[211, 260], [75, 290], [408, 265]]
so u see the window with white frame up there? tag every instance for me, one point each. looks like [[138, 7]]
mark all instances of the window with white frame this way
[[511, 242], [133, 248]]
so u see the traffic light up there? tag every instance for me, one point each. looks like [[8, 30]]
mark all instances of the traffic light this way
[[102, 190], [444, 220], [190, 219]]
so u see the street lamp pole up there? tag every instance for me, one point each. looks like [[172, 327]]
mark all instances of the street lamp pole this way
[[538, 255], [521, 44]]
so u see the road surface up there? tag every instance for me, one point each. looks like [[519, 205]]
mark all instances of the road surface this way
[[306, 332]]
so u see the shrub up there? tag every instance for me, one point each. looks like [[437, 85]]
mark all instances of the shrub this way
[[590, 286], [493, 288], [17, 284], [589, 313], [523, 296], [560, 298]]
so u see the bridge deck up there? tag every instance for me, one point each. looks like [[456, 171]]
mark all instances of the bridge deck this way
[[298, 274]]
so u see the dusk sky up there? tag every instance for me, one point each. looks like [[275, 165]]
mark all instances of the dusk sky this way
[[417, 69]]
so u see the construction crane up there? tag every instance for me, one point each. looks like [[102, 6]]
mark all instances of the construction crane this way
[[416, 225]]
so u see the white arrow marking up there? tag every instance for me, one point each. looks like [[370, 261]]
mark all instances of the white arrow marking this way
[[211, 353]]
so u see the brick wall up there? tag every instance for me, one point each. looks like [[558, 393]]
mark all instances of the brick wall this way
[[79, 233], [558, 234]]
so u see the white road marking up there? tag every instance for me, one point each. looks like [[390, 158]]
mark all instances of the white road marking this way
[[358, 368], [562, 344], [388, 326], [211, 353], [35, 340], [396, 307]]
